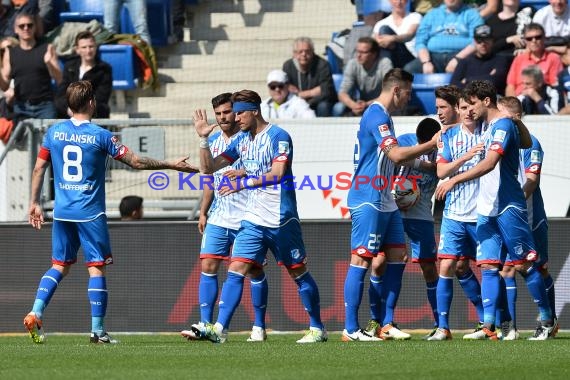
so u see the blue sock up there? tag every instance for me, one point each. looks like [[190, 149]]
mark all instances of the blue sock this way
[[537, 291], [549, 285], [511, 285], [207, 294], [391, 289], [490, 284], [46, 289], [230, 297], [97, 293], [259, 292], [444, 295], [309, 293], [472, 290], [503, 314], [431, 289], [353, 289], [375, 295]]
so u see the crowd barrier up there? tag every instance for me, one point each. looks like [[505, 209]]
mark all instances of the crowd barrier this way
[[153, 282]]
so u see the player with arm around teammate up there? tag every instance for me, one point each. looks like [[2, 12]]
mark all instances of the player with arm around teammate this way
[[77, 150], [220, 218], [376, 222], [271, 220]]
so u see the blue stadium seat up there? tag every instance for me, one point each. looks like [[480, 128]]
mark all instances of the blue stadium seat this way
[[158, 18], [333, 60], [122, 60], [83, 11], [423, 90], [536, 4], [337, 80], [372, 6]]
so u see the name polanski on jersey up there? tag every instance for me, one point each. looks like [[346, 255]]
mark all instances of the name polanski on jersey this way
[[72, 137]]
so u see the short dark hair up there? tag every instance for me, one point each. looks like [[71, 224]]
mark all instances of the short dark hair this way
[[450, 93], [533, 26], [395, 77], [246, 96], [78, 95], [223, 98], [84, 35], [481, 89], [511, 103], [130, 204], [374, 47], [426, 129]]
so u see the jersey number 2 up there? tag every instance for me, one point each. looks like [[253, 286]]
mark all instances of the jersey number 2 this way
[[69, 161]]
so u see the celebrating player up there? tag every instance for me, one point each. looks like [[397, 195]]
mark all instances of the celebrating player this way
[[271, 220], [77, 150], [223, 216]]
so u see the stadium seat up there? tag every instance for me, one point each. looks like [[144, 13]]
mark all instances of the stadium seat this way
[[83, 11], [335, 62], [423, 90], [536, 4], [159, 21], [372, 6], [122, 60], [337, 80]]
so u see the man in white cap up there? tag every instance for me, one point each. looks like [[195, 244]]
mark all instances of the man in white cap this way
[[282, 104]]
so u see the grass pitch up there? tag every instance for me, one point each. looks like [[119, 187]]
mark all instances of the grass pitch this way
[[172, 357]]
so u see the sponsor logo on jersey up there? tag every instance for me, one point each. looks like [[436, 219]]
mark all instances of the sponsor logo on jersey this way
[[384, 130], [534, 168], [281, 158], [496, 147], [535, 156], [388, 141], [361, 251], [283, 147], [499, 135]]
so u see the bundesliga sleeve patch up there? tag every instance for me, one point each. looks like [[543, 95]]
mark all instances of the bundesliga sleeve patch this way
[[499, 136], [283, 147], [384, 130], [535, 156]]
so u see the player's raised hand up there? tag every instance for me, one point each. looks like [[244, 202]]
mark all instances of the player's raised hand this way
[[201, 123], [36, 216]]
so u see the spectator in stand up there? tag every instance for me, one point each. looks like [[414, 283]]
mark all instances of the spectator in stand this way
[[483, 64], [537, 98], [86, 66], [563, 80], [444, 37], [486, 8], [397, 33], [32, 65], [137, 13], [535, 54], [310, 77], [282, 104], [364, 74], [424, 6], [131, 208], [508, 26], [555, 19]]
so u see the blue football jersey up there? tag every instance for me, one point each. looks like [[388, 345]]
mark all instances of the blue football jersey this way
[[532, 158], [78, 151]]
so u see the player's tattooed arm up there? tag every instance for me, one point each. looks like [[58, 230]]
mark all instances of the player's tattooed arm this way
[[147, 163]]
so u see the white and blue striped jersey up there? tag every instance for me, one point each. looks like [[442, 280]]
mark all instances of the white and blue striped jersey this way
[[226, 211], [500, 188], [531, 162], [371, 164], [461, 200], [270, 205], [77, 151], [427, 182]]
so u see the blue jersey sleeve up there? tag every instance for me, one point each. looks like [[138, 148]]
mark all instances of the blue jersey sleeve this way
[[533, 157], [443, 149], [232, 152], [112, 145], [504, 135], [281, 145]]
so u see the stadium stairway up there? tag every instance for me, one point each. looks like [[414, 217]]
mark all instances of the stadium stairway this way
[[230, 45]]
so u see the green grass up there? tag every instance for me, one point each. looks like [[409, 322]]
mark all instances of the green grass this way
[[171, 357]]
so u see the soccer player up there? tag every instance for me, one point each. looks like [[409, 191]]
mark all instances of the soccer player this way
[[271, 220], [418, 220], [77, 150], [502, 214], [220, 218], [376, 222], [532, 165], [459, 151]]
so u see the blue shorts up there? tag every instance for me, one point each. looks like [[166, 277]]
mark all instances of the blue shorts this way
[[217, 242], [285, 242], [509, 229], [374, 231], [540, 236], [92, 236], [422, 239], [457, 240]]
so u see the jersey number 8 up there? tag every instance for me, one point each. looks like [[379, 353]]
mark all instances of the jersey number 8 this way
[[68, 162]]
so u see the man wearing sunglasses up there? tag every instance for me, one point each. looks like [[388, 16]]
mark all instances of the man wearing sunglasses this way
[[535, 54], [32, 65], [281, 103]]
